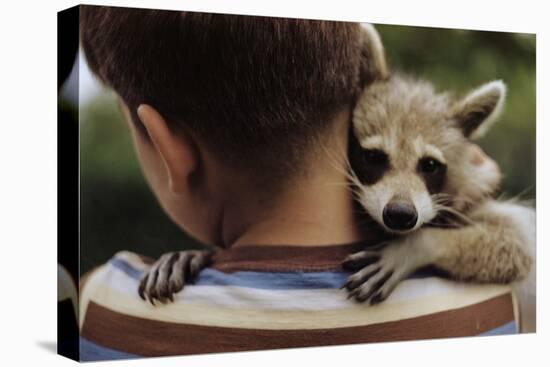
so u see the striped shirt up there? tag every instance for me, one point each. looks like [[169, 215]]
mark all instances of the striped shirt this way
[[267, 297]]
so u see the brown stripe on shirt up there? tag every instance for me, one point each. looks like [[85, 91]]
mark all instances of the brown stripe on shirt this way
[[273, 258], [283, 258], [157, 338]]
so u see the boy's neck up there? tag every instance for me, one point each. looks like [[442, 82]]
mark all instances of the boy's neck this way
[[305, 216], [314, 210]]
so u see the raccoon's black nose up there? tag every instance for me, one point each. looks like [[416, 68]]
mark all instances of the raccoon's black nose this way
[[399, 215]]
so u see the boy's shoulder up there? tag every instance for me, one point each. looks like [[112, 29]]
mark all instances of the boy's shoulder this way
[[252, 310]]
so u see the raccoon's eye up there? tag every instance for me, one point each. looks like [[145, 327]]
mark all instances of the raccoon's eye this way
[[375, 157], [431, 166]]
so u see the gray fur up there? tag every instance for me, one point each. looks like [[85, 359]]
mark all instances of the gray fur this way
[[407, 119]]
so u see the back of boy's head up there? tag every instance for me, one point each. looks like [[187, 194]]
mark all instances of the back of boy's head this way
[[256, 90]]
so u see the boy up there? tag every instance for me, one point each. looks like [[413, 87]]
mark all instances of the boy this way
[[239, 124]]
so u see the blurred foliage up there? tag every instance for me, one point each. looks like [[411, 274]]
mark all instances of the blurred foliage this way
[[118, 212]]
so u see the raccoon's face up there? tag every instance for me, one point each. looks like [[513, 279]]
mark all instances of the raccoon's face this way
[[399, 180], [410, 154]]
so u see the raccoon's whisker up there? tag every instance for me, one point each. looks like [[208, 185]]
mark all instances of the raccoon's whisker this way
[[450, 210], [338, 183], [346, 184], [465, 200], [342, 165], [354, 191], [356, 194], [446, 225], [459, 222], [449, 222], [353, 188], [442, 198], [439, 203], [517, 199], [350, 175]]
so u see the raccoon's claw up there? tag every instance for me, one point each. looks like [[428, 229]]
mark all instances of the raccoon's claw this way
[[360, 260], [375, 288], [169, 274], [360, 277], [378, 273]]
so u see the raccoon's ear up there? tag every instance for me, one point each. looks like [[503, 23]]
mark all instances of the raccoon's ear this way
[[373, 58], [476, 112]]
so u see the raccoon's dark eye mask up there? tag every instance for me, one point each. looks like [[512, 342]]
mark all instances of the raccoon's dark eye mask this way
[[373, 164], [431, 166], [434, 173], [375, 157]]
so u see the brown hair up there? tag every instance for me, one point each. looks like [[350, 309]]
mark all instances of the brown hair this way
[[254, 89]]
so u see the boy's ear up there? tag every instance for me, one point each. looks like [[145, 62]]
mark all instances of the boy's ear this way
[[176, 150], [476, 112], [373, 58]]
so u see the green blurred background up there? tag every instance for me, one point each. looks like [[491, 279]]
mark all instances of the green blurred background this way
[[119, 213]]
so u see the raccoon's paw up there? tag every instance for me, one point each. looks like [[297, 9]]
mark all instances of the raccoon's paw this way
[[169, 274], [379, 272]]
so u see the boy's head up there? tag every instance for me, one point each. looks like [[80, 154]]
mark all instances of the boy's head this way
[[251, 88], [225, 99]]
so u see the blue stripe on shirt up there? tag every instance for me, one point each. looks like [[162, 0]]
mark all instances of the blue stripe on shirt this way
[[509, 328], [126, 268], [90, 351], [256, 279], [279, 280]]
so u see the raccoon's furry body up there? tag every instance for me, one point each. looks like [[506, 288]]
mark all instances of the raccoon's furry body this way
[[417, 173]]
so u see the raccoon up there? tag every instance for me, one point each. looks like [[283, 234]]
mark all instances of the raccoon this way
[[417, 173]]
